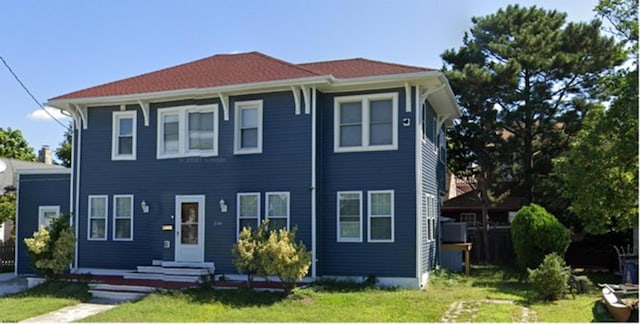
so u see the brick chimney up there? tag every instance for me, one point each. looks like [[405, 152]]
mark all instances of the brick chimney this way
[[45, 155]]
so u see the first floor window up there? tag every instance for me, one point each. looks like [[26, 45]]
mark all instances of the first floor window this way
[[123, 145], [122, 217], [47, 214], [431, 216], [277, 209], [97, 218], [349, 208], [381, 216], [248, 210]]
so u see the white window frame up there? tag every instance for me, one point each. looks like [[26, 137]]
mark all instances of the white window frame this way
[[469, 218], [266, 206], [91, 217], [183, 131], [366, 122], [431, 208], [348, 239], [239, 106], [116, 218], [239, 217], [370, 216], [115, 134], [46, 209]]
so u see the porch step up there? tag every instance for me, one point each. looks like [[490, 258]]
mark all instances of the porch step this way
[[172, 271], [119, 292]]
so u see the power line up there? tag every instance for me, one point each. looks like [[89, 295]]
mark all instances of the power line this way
[[29, 92]]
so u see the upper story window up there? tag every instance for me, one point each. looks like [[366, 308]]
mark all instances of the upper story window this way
[[277, 209], [187, 131], [123, 145], [47, 214], [428, 122], [366, 122], [248, 127]]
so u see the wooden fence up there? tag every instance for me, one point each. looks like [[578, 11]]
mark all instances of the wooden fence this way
[[7, 257], [500, 246]]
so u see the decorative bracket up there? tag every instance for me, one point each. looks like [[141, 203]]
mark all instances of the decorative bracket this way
[[407, 97], [306, 93], [296, 98], [145, 111], [82, 112], [224, 99], [429, 91]]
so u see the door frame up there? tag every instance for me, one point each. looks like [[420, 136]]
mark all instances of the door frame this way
[[199, 249]]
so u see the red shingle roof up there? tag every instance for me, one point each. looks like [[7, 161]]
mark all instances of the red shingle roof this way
[[234, 69], [359, 67]]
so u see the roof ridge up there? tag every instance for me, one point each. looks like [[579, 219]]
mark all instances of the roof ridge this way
[[286, 62], [369, 60]]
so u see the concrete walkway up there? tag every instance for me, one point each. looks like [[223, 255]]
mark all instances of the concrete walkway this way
[[11, 284], [74, 313]]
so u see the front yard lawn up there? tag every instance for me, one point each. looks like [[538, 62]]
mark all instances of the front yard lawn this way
[[42, 299], [490, 294]]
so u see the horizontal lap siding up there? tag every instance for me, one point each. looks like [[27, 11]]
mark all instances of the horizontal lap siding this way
[[429, 183], [284, 165], [34, 191], [366, 171]]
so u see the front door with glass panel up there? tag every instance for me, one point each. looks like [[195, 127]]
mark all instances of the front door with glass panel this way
[[189, 229]]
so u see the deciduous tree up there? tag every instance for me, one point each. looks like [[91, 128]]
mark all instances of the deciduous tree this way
[[14, 146]]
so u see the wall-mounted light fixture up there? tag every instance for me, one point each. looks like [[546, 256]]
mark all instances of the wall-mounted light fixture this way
[[223, 206], [145, 207]]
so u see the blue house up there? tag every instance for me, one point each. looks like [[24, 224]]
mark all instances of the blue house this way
[[169, 166]]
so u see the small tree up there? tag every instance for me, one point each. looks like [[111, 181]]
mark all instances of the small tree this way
[[245, 253], [536, 233], [52, 248], [549, 280], [281, 256]]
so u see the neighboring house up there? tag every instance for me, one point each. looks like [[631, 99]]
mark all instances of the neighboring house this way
[[9, 168], [467, 207], [169, 166]]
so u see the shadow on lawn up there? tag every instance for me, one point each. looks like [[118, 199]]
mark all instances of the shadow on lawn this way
[[58, 289], [236, 298]]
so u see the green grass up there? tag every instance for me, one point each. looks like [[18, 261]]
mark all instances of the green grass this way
[[42, 299], [349, 302]]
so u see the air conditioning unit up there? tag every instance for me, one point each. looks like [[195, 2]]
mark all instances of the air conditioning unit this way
[[453, 232]]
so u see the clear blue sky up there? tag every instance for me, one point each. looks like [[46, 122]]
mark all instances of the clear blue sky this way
[[56, 46]]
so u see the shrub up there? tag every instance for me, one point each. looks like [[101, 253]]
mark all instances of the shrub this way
[[52, 248], [549, 280], [246, 257], [281, 256], [536, 233]]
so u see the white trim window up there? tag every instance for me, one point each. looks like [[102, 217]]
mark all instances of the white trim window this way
[[248, 209], [46, 215], [248, 127], [349, 216], [431, 217], [123, 217], [97, 220], [381, 216], [366, 122], [123, 143], [187, 131], [277, 209]]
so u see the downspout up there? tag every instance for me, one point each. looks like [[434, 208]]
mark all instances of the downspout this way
[[313, 184], [17, 223], [418, 169], [77, 144]]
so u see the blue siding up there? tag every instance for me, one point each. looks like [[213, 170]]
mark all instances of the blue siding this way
[[365, 171], [35, 191], [429, 185], [284, 165]]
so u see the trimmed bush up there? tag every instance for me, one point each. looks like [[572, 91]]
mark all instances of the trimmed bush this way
[[52, 248], [281, 256], [549, 280], [246, 257], [536, 233]]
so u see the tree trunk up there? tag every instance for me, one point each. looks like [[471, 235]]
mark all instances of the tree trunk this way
[[485, 221]]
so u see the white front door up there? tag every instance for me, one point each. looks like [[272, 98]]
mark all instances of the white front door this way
[[189, 228]]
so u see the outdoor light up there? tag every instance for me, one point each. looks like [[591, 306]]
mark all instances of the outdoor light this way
[[145, 207], [223, 206]]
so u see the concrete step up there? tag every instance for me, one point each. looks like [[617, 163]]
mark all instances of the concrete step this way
[[124, 288], [143, 276], [149, 269], [116, 295], [173, 264]]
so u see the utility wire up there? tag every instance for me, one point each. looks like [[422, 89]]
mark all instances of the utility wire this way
[[29, 93]]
